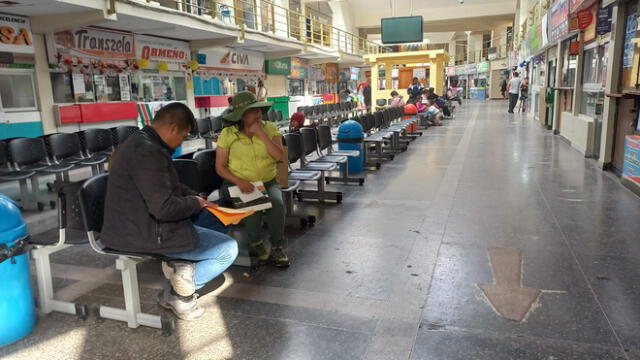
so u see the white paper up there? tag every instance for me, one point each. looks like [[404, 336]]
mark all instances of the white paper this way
[[78, 84], [234, 191], [125, 89], [420, 73]]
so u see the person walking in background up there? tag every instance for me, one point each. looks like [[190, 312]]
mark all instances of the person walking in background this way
[[366, 93], [261, 93], [524, 94], [503, 88], [514, 91]]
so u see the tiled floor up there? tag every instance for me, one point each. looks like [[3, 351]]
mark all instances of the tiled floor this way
[[394, 271]]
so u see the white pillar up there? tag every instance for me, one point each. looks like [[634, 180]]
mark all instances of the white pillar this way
[[44, 90]]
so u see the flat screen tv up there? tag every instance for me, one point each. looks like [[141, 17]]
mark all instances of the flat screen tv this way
[[399, 30]]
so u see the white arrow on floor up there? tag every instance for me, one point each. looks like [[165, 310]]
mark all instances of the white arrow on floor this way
[[508, 296]]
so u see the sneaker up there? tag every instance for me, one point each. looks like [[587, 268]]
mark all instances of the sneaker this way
[[259, 251], [278, 257], [185, 308], [181, 275]]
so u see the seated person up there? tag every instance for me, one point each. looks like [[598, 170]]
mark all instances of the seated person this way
[[297, 122], [148, 210], [396, 99], [451, 96], [247, 151]]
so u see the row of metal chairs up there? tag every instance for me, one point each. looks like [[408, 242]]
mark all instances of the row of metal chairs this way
[[23, 159], [81, 207], [329, 112]]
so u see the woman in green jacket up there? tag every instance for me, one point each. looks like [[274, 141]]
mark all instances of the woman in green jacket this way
[[247, 150]]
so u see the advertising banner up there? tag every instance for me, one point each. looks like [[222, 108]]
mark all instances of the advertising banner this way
[[280, 66], [299, 68], [483, 67], [630, 33], [90, 45], [15, 34], [631, 166], [590, 28], [176, 54], [231, 60], [331, 72], [355, 73], [451, 71], [603, 24], [559, 20], [470, 69]]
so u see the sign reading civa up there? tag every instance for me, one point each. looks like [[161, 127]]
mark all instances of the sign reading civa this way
[[15, 34]]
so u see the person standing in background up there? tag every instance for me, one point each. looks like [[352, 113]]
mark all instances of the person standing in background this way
[[524, 94], [261, 93], [514, 91], [366, 93]]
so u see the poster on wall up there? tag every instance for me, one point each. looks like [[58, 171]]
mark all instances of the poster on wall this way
[[590, 28], [125, 88], [630, 33], [16, 34], [331, 72], [230, 59], [631, 165], [420, 73], [355, 73], [78, 84], [90, 46], [603, 25], [299, 68], [559, 20], [176, 54]]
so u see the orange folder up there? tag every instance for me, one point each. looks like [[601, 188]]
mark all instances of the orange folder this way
[[229, 216]]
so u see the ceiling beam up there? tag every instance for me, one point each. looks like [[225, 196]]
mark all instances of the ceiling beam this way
[[49, 23], [219, 42]]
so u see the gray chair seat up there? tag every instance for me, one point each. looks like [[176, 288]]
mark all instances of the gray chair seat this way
[[15, 175], [319, 166], [303, 175], [56, 168], [293, 185], [333, 158], [347, 153]]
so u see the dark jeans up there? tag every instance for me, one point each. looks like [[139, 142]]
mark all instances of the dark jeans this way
[[513, 100]]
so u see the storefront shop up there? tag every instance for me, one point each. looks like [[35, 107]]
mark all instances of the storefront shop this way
[[19, 109], [482, 87], [624, 157], [220, 73], [277, 83], [462, 85], [499, 73], [91, 77]]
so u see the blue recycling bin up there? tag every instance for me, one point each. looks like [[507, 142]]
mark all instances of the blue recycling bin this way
[[351, 137], [17, 309]]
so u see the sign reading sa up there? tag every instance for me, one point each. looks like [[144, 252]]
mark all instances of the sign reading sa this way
[[15, 34]]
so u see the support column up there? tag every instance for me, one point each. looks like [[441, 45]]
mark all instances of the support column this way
[[610, 110], [436, 75], [44, 90], [388, 67], [577, 85]]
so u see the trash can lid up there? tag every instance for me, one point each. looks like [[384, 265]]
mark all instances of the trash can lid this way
[[350, 129], [12, 226]]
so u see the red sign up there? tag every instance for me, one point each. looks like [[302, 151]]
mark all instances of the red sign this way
[[574, 48], [585, 18]]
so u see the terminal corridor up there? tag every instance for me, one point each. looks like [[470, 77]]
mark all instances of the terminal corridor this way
[[490, 238]]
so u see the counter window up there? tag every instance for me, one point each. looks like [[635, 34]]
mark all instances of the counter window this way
[[159, 88], [16, 92], [296, 87]]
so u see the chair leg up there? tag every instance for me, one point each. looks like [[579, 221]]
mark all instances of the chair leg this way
[[46, 296], [128, 268]]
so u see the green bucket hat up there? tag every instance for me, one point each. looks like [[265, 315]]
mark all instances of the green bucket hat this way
[[243, 101]]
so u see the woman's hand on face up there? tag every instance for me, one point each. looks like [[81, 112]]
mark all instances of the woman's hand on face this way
[[245, 186], [255, 129]]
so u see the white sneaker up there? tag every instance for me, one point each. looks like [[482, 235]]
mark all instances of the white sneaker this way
[[183, 309], [181, 275]]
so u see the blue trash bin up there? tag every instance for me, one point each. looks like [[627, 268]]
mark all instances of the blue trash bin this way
[[351, 137], [17, 309]]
